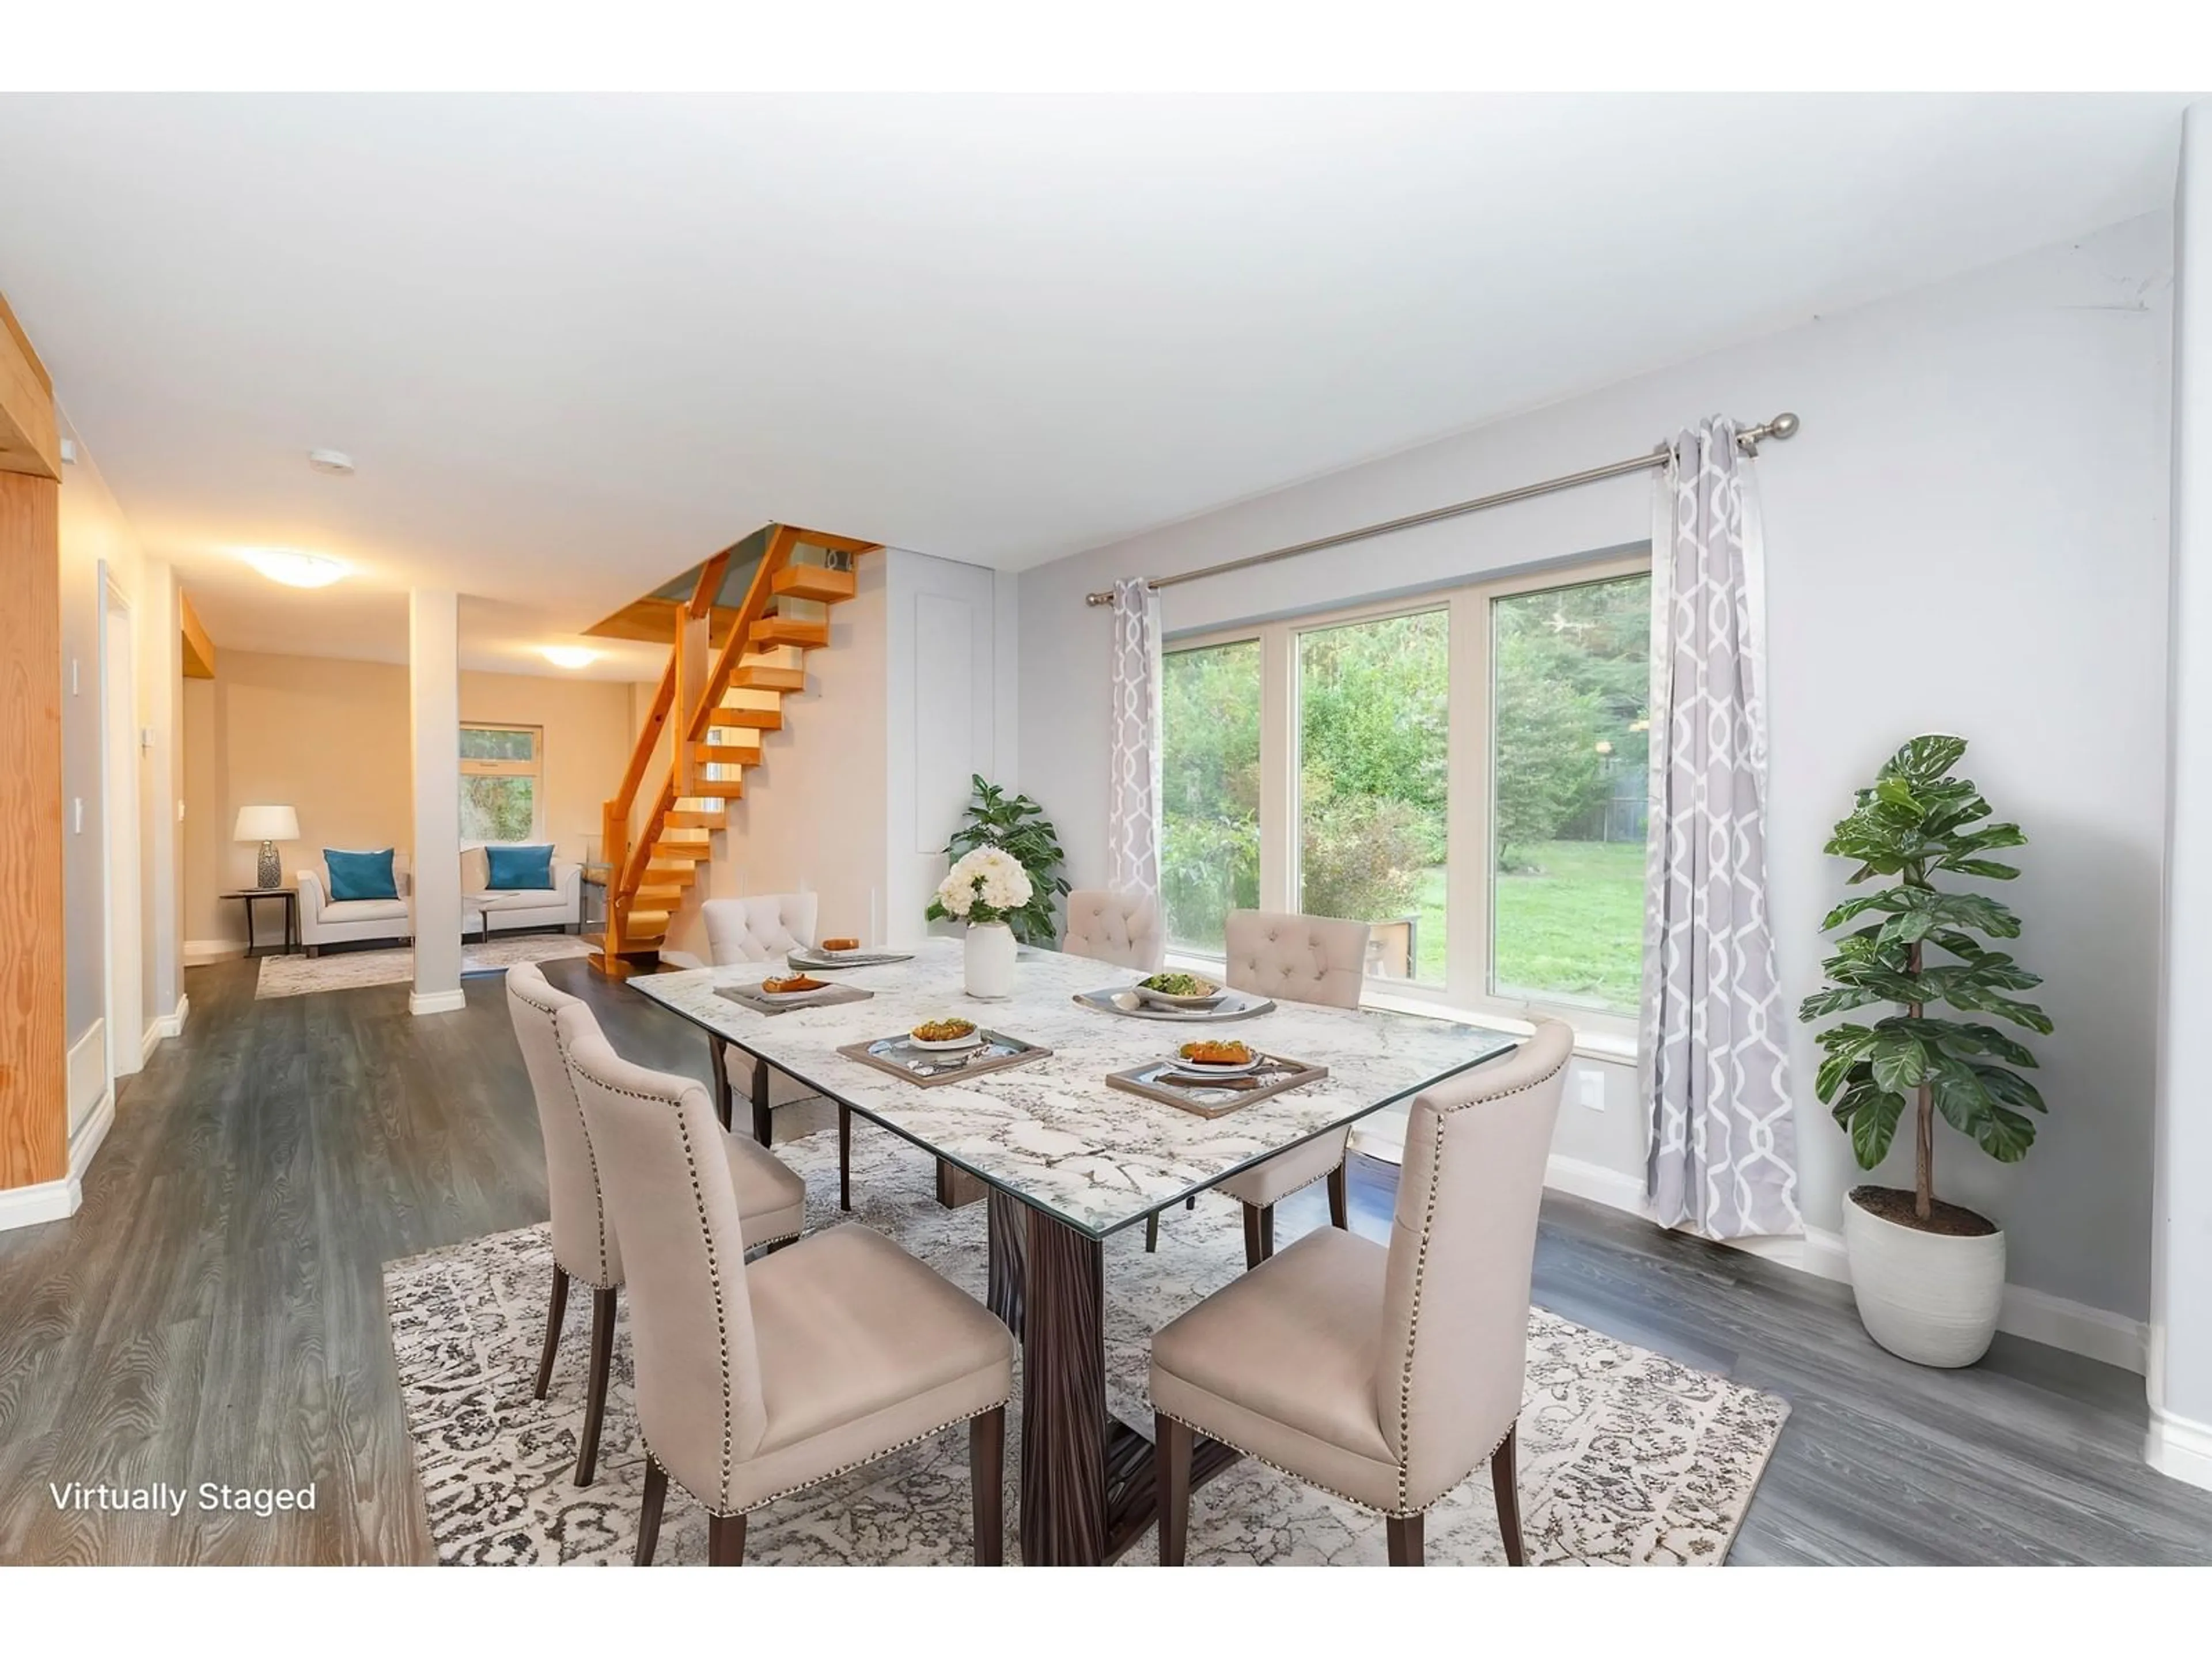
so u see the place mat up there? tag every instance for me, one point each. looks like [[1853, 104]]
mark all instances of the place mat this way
[[802, 958], [928, 1067], [1215, 1097], [746, 996], [1233, 1005]]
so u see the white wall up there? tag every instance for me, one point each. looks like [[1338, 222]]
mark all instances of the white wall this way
[[1969, 535]]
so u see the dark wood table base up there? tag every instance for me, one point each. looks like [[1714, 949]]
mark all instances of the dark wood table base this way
[[1088, 1488]]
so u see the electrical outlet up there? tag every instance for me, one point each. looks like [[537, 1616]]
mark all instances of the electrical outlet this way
[[1589, 1090]]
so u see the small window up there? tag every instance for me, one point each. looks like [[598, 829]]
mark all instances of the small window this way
[[501, 773]]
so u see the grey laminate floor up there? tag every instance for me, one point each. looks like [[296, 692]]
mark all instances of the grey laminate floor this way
[[215, 1313]]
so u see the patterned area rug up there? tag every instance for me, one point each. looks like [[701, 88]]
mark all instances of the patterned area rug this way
[[348, 970], [1626, 1457]]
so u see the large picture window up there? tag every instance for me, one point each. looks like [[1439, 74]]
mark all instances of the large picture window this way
[[501, 771], [1465, 773], [1210, 789]]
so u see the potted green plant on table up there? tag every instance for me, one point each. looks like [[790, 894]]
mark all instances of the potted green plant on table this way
[[1928, 1276]]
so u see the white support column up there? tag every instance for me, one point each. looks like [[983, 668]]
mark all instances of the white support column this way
[[433, 693], [2180, 1377]]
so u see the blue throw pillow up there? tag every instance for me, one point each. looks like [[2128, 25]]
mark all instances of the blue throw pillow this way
[[513, 867], [360, 875]]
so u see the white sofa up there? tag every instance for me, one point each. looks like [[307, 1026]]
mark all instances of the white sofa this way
[[511, 910], [353, 921]]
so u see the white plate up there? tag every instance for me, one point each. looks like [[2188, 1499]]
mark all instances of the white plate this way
[[838, 956], [1170, 999], [791, 996], [1199, 1068], [967, 1042]]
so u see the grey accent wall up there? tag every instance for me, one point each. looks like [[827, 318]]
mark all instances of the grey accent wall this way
[[1970, 534]]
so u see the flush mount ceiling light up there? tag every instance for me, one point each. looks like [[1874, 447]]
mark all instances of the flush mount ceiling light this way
[[294, 569], [336, 462], [569, 656]]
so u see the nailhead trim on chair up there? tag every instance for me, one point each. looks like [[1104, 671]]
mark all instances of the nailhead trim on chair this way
[[601, 1279], [1420, 1273], [1320, 1485], [830, 1474], [713, 1269]]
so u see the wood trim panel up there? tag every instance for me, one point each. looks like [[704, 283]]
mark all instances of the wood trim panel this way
[[33, 1054], [200, 649], [30, 439]]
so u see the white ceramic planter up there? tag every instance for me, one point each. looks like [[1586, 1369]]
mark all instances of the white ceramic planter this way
[[989, 962], [1928, 1297]]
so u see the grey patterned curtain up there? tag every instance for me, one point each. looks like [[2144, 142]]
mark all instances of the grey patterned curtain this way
[[1132, 808], [1715, 1039]]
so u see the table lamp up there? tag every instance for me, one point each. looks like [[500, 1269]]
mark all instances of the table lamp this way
[[268, 826]]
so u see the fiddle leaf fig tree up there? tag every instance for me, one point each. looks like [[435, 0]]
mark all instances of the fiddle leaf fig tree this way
[[1018, 825], [1923, 947]]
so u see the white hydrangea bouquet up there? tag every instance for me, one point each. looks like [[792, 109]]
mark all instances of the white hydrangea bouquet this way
[[986, 886]]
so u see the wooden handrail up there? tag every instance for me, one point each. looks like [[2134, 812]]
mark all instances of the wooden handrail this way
[[649, 739], [778, 555]]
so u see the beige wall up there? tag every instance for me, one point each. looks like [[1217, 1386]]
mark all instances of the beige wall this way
[[329, 738]]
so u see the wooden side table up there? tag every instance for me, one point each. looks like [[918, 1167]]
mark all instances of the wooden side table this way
[[290, 895]]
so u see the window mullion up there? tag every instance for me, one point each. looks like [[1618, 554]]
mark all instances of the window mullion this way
[[1468, 802]]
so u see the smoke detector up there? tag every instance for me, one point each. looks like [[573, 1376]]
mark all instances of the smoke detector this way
[[336, 462]]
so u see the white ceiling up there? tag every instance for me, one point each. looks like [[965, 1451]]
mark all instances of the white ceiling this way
[[576, 343]]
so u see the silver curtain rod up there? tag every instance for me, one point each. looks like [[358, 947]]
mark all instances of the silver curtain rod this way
[[1781, 426]]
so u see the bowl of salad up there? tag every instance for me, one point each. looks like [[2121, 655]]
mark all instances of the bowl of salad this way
[[1178, 990]]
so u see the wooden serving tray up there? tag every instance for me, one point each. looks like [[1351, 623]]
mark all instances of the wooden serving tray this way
[[1215, 1097], [746, 997], [927, 1067]]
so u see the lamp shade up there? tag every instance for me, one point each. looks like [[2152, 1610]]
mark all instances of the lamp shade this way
[[266, 824]]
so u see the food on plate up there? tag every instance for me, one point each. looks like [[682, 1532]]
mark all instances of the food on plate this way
[[943, 1031], [790, 982], [841, 944], [1216, 1053], [1179, 985]]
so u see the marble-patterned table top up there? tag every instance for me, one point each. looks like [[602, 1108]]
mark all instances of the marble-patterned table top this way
[[1052, 1133]]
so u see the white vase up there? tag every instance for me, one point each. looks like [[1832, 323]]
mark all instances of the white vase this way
[[1929, 1297], [990, 961]]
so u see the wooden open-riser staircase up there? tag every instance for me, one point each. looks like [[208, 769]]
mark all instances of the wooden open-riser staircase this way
[[703, 731]]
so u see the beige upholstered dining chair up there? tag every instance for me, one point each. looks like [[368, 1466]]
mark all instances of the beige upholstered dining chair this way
[[1384, 1376], [758, 1380], [761, 929], [1108, 925], [1291, 958], [771, 1199]]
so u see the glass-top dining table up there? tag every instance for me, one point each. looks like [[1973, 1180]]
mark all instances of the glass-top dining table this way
[[1065, 1160]]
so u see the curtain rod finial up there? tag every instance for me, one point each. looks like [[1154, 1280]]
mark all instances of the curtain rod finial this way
[[1103, 597], [1783, 425]]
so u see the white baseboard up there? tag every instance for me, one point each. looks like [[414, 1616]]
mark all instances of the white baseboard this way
[[58, 1201], [87, 1072], [436, 1002], [203, 952], [149, 1040], [2035, 1315], [2179, 1447], [172, 1024]]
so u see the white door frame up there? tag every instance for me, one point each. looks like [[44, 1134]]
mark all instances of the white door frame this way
[[120, 902]]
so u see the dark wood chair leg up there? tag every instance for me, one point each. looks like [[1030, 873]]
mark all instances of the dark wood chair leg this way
[[556, 1311], [1171, 1486], [986, 1472], [1152, 1232], [1340, 1199], [726, 1540], [844, 1157], [1405, 1541], [1254, 1255], [595, 1399], [1266, 1230], [718, 1058], [648, 1513], [1505, 1482]]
